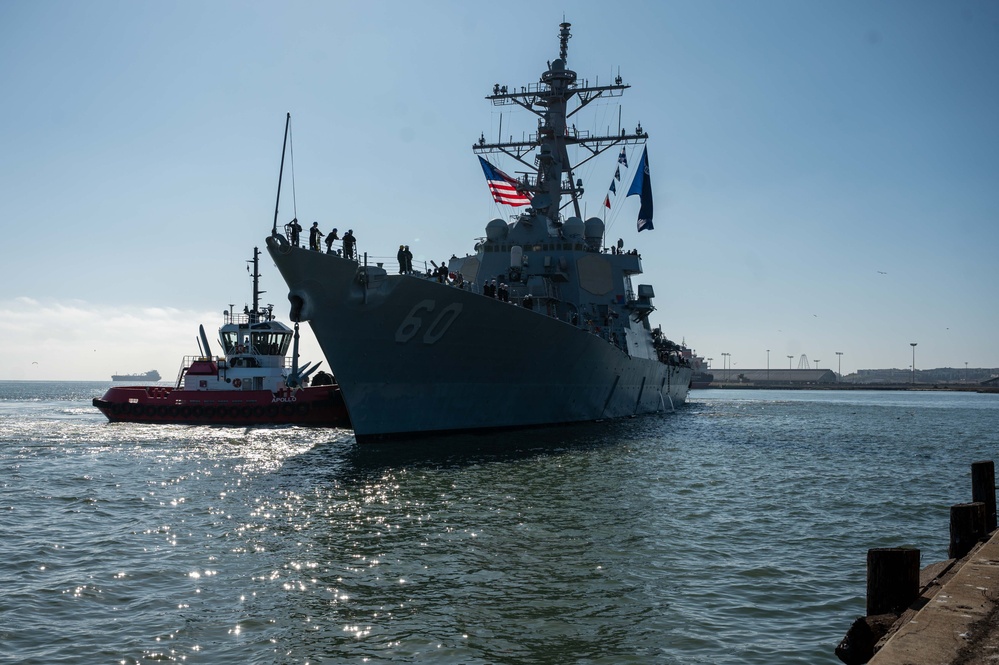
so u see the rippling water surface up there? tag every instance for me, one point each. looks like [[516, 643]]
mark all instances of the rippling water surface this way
[[734, 530]]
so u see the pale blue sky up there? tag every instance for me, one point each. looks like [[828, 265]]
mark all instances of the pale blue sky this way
[[797, 149]]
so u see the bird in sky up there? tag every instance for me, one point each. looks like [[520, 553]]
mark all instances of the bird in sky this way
[[882, 272]]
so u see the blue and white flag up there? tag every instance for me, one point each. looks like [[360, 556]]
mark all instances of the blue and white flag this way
[[642, 185], [613, 188], [622, 158], [617, 174]]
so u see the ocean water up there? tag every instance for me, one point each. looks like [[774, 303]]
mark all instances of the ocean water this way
[[733, 530]]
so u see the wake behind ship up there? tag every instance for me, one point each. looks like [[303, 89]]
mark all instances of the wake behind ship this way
[[540, 326]]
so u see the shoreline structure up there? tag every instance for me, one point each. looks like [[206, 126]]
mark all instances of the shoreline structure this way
[[917, 387], [948, 612]]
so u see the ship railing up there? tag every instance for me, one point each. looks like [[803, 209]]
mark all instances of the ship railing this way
[[504, 95], [247, 317], [187, 361], [285, 364], [392, 266], [303, 239], [335, 247]]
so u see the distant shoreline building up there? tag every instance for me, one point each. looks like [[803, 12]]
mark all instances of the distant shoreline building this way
[[968, 375], [873, 377], [773, 376]]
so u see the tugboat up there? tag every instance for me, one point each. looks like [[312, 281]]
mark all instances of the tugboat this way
[[541, 325], [254, 383]]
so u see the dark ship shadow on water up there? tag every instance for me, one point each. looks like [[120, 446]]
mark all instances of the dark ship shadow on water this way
[[456, 451]]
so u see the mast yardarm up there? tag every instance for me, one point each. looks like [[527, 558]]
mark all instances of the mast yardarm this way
[[550, 176]]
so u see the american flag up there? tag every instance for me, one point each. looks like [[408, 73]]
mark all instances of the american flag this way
[[503, 187]]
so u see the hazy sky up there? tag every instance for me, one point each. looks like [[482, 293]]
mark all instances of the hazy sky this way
[[826, 173]]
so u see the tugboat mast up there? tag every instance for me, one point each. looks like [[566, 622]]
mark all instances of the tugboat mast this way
[[549, 99], [254, 312]]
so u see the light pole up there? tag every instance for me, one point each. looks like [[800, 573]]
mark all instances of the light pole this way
[[725, 357], [768, 365], [839, 360], [965, 371], [913, 345], [817, 361]]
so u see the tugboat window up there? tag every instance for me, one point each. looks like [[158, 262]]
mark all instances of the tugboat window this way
[[229, 339], [270, 344]]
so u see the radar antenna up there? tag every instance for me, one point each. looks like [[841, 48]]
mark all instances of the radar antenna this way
[[563, 39]]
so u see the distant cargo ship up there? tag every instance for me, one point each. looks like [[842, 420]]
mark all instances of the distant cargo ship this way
[[151, 375], [701, 378]]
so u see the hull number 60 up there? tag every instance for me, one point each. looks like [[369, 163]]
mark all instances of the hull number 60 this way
[[418, 317]]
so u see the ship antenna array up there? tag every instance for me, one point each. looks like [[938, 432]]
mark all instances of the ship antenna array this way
[[563, 38]]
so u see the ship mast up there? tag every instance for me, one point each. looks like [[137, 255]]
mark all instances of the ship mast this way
[[284, 145], [254, 312], [550, 100]]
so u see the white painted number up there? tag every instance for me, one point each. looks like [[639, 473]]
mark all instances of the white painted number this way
[[410, 325], [413, 322], [442, 323]]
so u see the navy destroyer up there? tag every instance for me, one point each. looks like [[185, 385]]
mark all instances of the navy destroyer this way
[[541, 325]]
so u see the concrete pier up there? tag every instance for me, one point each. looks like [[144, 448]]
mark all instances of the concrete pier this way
[[958, 621]]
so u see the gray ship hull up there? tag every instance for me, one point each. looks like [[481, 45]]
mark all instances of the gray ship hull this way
[[412, 355]]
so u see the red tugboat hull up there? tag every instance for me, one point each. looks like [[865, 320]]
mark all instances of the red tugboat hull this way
[[313, 406]]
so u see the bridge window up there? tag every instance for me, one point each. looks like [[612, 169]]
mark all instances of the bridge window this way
[[229, 340], [271, 343]]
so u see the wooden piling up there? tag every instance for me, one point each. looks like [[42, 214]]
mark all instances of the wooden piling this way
[[967, 526], [983, 488], [892, 579]]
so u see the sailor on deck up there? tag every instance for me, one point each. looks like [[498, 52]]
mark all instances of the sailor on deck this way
[[314, 236], [295, 228], [330, 237], [348, 244]]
